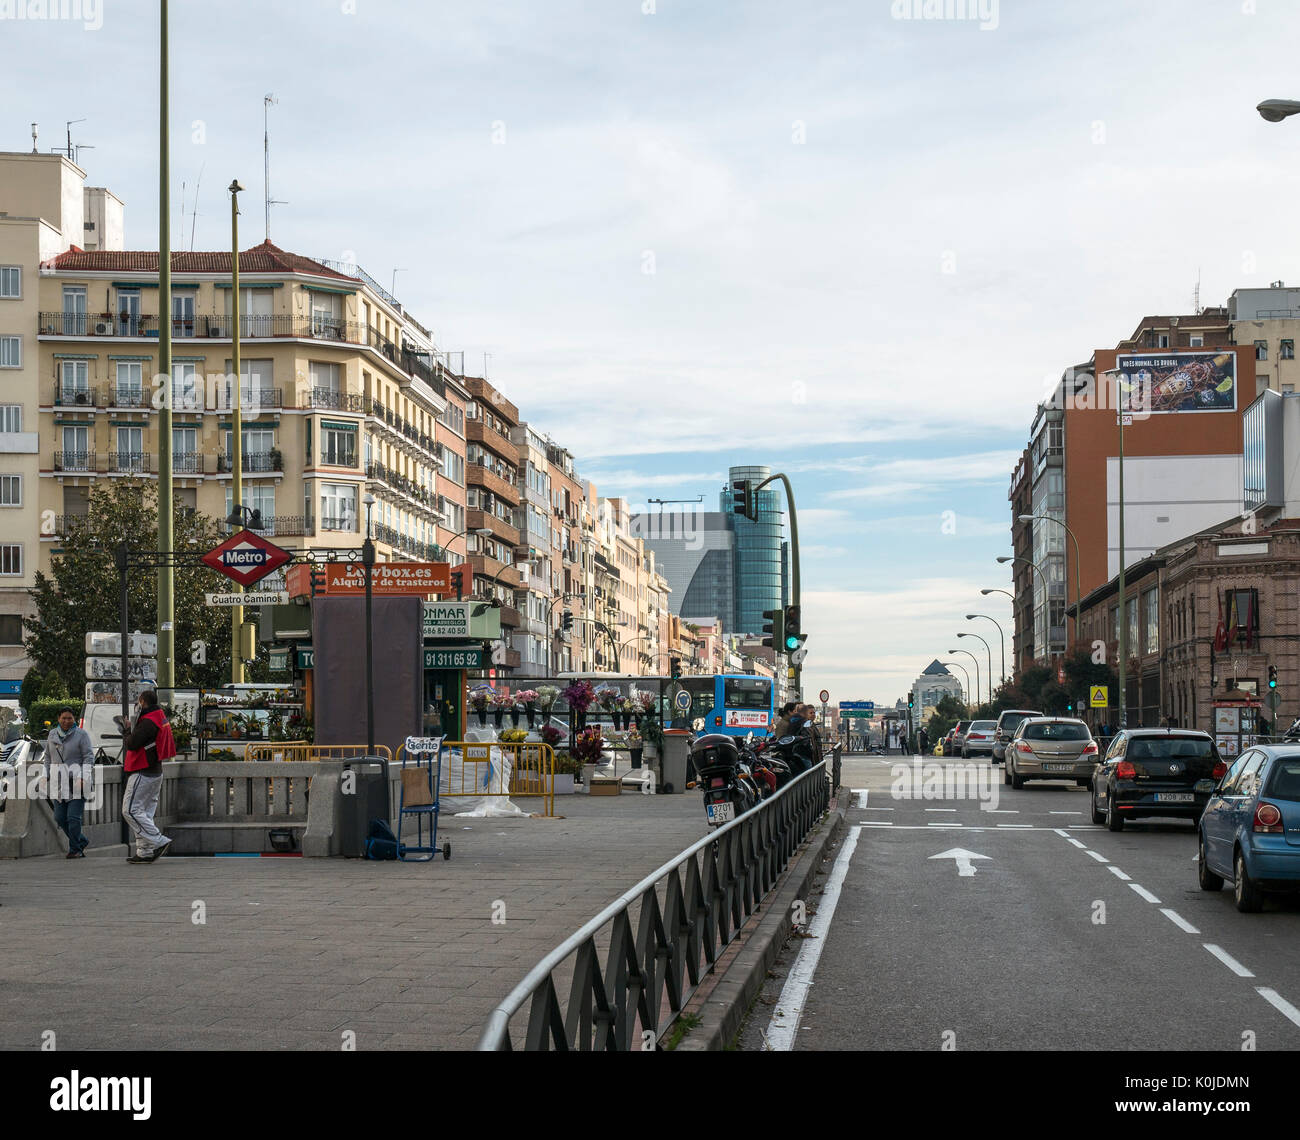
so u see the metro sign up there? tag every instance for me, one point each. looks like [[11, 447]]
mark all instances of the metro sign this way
[[246, 557]]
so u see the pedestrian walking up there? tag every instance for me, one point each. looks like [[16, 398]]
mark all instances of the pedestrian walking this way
[[782, 726], [148, 743], [70, 778], [924, 738]]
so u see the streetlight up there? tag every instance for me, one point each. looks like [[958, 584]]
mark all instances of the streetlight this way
[[1120, 387], [236, 429], [1077, 572], [977, 672], [1002, 641], [1275, 110], [957, 665], [997, 590], [1047, 591], [368, 561], [989, 651]]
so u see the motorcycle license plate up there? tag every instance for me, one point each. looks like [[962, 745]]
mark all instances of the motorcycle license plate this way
[[1058, 767], [721, 813], [1175, 798]]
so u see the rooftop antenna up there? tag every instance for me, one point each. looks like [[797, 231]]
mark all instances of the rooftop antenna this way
[[68, 127], [1196, 293], [486, 357], [268, 100], [35, 132], [393, 291], [195, 212]]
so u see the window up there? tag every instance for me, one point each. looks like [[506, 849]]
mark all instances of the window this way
[[128, 312], [11, 629], [1241, 616], [255, 385], [11, 490], [453, 466], [257, 497], [11, 352], [1261, 350], [255, 312], [338, 506], [338, 444], [1288, 350], [1162, 340], [74, 382], [324, 377], [325, 320], [11, 418], [185, 446], [129, 389], [11, 281], [182, 314], [130, 449], [11, 559], [186, 393], [74, 310], [1150, 602], [1197, 341], [453, 417]]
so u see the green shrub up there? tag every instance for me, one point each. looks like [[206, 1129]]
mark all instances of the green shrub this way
[[44, 714]]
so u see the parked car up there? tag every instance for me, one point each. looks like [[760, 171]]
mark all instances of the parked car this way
[[959, 736], [1155, 772], [1250, 829], [1050, 748], [978, 739], [947, 742], [1008, 720]]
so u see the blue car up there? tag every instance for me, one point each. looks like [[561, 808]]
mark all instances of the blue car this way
[[1250, 830]]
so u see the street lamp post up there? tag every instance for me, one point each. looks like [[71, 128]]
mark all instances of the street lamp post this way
[[368, 561], [958, 665], [236, 429], [1002, 641], [987, 649], [1047, 590], [1077, 563], [977, 671], [1123, 614]]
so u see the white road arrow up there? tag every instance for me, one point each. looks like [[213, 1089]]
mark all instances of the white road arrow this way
[[963, 859]]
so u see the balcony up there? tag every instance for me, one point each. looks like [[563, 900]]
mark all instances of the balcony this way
[[288, 526], [130, 463], [478, 475], [187, 463], [74, 396], [97, 324], [331, 400], [477, 431], [201, 326], [344, 524], [389, 477], [474, 519], [420, 551], [256, 462], [494, 570], [75, 461]]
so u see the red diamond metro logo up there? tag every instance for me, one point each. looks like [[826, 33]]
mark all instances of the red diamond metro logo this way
[[246, 557]]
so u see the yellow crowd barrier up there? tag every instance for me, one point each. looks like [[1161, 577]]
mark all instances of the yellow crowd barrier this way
[[301, 750], [532, 772]]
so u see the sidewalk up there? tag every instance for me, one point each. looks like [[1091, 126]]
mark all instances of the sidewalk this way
[[293, 953]]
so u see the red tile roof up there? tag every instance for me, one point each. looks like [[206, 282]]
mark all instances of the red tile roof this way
[[264, 258]]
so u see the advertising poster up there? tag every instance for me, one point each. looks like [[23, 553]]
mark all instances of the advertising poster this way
[[1152, 383]]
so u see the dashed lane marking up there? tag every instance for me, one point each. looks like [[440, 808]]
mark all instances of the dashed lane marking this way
[[1118, 873], [1179, 921], [1096, 855], [1279, 1003], [1228, 960], [1143, 893]]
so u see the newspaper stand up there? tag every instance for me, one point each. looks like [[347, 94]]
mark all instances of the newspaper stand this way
[[421, 772]]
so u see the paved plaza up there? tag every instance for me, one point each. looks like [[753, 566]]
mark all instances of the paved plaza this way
[[273, 953]]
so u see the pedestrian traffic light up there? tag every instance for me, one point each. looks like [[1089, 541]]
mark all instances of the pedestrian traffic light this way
[[1272, 676], [774, 630], [910, 702], [742, 498], [792, 636], [317, 579], [566, 621], [458, 581]]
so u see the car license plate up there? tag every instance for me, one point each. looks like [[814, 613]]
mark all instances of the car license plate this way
[[721, 813], [1058, 767], [1175, 798]]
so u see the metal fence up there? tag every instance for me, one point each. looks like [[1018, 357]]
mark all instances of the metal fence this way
[[664, 935], [286, 750]]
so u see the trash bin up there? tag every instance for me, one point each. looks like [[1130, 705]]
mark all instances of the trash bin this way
[[675, 760], [369, 800]]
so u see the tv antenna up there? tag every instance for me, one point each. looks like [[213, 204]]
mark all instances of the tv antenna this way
[[194, 213], [1196, 293], [268, 100]]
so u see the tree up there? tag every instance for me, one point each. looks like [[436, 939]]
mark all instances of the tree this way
[[946, 713], [80, 593]]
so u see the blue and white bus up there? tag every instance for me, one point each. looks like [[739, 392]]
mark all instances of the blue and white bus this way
[[734, 704]]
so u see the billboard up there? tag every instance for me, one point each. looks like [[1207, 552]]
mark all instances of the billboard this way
[[1157, 382]]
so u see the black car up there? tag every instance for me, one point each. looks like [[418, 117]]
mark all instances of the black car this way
[[1155, 772]]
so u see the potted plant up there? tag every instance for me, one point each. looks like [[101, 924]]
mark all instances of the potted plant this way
[[608, 697], [528, 698], [551, 735], [566, 770], [478, 698], [635, 746], [277, 459], [652, 734]]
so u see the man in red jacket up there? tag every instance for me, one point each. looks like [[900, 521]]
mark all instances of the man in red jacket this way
[[148, 743]]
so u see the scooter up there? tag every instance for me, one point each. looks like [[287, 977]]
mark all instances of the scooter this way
[[725, 779]]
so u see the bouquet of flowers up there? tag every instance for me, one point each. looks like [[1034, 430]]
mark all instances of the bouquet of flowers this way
[[546, 695], [646, 701], [502, 700], [579, 696], [608, 697], [551, 735], [479, 696], [526, 697], [590, 744]]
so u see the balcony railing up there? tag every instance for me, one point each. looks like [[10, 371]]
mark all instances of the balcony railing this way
[[74, 461], [130, 462], [334, 401], [129, 396], [384, 474], [187, 463], [421, 551], [255, 461], [287, 525], [218, 326], [345, 523], [74, 396]]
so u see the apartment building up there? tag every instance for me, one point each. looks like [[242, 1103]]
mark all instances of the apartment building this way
[[1269, 321]]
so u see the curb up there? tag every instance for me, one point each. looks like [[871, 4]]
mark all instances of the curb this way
[[723, 1010]]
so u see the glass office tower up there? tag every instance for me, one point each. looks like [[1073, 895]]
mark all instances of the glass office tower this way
[[758, 564]]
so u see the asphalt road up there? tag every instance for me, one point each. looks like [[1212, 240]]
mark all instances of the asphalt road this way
[[1064, 936]]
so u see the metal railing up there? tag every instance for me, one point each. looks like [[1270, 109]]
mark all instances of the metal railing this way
[[686, 913], [74, 461], [134, 462], [335, 401], [74, 396], [300, 750]]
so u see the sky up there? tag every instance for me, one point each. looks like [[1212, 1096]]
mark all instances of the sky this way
[[833, 238]]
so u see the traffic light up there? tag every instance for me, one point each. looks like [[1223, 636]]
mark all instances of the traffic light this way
[[792, 637], [317, 579], [774, 630], [458, 581], [742, 498], [910, 701], [674, 668], [566, 621], [1272, 676]]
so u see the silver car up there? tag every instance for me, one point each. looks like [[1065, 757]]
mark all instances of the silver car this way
[[1050, 748]]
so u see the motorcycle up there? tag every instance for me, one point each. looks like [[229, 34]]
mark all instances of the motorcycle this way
[[727, 781], [795, 751]]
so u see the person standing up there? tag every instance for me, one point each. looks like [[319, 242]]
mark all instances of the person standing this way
[[148, 743], [924, 738], [809, 715], [782, 726], [70, 778]]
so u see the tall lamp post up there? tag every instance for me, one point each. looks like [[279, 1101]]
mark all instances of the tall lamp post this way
[[1120, 400], [236, 430], [1077, 573], [964, 673], [166, 537], [1002, 641], [977, 671], [987, 649], [368, 561], [1047, 590]]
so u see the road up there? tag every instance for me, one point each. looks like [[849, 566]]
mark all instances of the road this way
[[1062, 936]]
